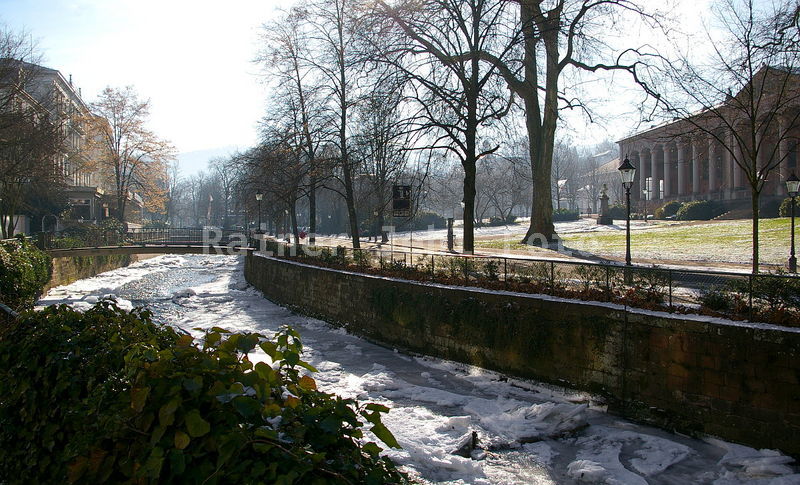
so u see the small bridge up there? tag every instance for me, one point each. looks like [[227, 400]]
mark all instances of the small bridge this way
[[148, 241]]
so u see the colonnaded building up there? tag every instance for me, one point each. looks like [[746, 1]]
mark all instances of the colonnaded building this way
[[694, 158]]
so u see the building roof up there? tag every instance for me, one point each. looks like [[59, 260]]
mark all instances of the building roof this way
[[655, 127], [10, 71]]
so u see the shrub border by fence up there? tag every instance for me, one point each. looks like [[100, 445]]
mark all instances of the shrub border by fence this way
[[695, 375], [767, 297]]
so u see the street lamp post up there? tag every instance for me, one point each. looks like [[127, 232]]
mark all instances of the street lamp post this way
[[259, 197], [792, 186], [627, 173]]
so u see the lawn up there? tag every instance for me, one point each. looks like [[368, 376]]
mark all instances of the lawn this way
[[719, 241]]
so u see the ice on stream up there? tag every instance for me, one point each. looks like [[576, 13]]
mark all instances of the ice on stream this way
[[528, 433]]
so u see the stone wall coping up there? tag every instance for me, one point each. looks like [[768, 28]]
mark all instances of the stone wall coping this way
[[556, 299]]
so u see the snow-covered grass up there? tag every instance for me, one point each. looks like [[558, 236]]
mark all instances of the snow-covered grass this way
[[673, 241], [528, 433]]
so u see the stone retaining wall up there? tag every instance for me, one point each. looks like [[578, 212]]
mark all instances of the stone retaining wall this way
[[696, 375], [68, 270]]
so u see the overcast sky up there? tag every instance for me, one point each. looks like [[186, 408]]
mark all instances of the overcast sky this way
[[192, 59]]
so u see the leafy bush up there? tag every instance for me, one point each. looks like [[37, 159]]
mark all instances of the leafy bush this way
[[698, 210], [717, 299], [491, 269], [151, 224], [495, 221], [565, 215], [786, 207], [422, 220], [590, 277], [362, 258], [107, 396], [24, 271], [110, 231], [618, 212], [669, 209], [777, 292]]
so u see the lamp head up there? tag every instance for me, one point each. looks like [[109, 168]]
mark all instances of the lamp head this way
[[627, 172], [793, 185]]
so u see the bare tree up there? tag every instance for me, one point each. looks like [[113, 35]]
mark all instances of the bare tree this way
[[381, 135], [29, 148], [564, 169], [556, 39], [333, 35], [20, 61], [287, 56], [226, 171], [34, 152], [130, 154], [174, 191], [455, 94], [745, 97]]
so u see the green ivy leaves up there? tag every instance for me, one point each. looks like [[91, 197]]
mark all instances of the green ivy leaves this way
[[107, 396], [196, 425], [24, 271]]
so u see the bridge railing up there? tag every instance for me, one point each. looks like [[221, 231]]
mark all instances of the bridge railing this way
[[771, 297], [141, 237]]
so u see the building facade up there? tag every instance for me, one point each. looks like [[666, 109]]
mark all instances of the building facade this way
[[707, 156], [48, 94]]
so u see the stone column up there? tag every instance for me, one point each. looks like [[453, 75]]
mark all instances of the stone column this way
[[695, 167], [642, 175], [646, 156], [681, 147], [737, 159], [667, 171], [712, 166], [654, 174], [727, 174]]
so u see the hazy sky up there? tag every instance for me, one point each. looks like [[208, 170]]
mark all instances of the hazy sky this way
[[193, 60]]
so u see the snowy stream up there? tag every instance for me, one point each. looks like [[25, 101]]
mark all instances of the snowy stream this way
[[528, 433]]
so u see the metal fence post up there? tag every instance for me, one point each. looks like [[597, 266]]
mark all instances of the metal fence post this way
[[505, 272], [433, 265], [552, 276], [669, 273], [750, 297]]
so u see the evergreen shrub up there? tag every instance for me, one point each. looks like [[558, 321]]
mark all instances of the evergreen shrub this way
[[668, 210], [698, 210], [560, 215], [786, 207], [24, 271], [108, 396]]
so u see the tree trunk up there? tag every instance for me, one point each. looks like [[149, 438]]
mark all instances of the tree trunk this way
[[351, 207], [121, 201], [312, 209], [295, 230], [754, 199], [469, 206], [541, 123], [381, 222], [541, 225]]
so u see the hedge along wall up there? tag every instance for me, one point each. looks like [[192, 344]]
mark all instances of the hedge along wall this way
[[693, 375], [71, 269]]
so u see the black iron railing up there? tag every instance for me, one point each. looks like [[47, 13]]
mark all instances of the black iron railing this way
[[773, 297]]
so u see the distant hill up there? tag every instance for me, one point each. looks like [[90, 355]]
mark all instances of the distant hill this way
[[191, 163]]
